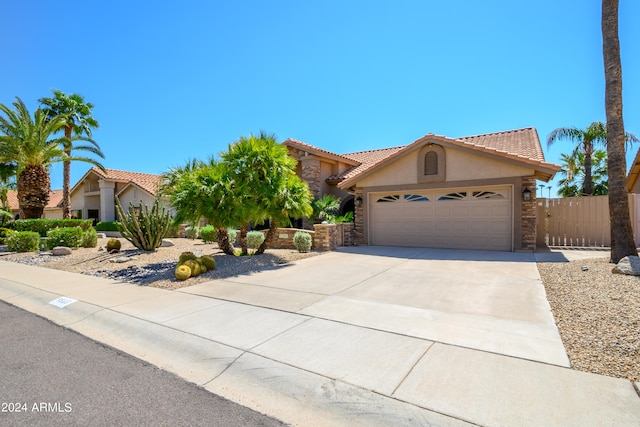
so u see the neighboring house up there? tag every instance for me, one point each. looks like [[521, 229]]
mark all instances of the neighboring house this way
[[633, 183], [94, 194], [474, 192], [53, 210]]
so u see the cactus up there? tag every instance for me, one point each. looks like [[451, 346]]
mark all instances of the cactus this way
[[182, 272], [208, 262], [113, 244], [184, 256], [146, 228], [193, 266]]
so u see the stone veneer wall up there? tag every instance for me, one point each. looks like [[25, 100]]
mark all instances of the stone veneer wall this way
[[358, 225], [344, 234], [324, 238], [529, 232], [283, 238]]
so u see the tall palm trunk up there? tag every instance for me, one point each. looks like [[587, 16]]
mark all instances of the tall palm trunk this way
[[33, 191], [622, 241], [587, 189], [66, 175]]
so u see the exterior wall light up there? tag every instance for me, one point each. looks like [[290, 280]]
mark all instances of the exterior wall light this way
[[358, 202], [526, 194]]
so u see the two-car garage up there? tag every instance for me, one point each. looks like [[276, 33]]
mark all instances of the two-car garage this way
[[465, 218]]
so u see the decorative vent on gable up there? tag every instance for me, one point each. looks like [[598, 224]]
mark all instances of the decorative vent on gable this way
[[431, 163]]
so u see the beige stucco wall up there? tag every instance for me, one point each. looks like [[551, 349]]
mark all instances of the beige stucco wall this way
[[135, 195], [460, 166], [636, 187]]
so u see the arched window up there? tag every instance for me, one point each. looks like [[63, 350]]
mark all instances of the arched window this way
[[431, 163]]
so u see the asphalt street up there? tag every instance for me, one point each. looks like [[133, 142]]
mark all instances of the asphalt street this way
[[51, 376]]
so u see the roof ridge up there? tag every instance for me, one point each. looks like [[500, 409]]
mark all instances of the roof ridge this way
[[496, 133], [374, 150]]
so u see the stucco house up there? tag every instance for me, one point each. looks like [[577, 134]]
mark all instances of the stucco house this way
[[53, 210], [475, 192], [93, 196]]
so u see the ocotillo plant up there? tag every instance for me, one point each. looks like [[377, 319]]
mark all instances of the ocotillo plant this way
[[144, 229]]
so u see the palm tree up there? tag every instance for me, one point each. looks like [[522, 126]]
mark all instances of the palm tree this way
[[586, 140], [622, 240], [259, 167], [202, 189], [28, 144], [573, 172], [79, 122]]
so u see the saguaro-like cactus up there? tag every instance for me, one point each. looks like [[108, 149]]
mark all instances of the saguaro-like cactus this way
[[146, 228]]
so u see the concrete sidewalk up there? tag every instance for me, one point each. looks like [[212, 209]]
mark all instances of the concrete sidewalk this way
[[307, 364]]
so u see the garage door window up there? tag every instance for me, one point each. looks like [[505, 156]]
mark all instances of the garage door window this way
[[387, 199], [487, 195], [415, 198], [454, 196]]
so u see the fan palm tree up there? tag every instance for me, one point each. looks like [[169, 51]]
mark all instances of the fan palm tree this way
[[28, 143], [586, 142], [79, 122], [573, 172], [259, 167], [202, 189], [622, 240]]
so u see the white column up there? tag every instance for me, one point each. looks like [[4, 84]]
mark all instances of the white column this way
[[107, 201]]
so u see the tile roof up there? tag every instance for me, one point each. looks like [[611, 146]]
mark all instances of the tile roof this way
[[55, 197], [313, 149], [147, 181], [519, 144]]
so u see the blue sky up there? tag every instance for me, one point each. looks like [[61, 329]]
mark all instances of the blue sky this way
[[173, 81]]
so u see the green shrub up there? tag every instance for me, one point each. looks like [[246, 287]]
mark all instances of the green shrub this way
[[208, 234], [67, 236], [4, 232], [107, 226], [113, 244], [23, 241], [302, 241], [191, 232], [43, 225], [233, 234], [255, 239], [90, 238]]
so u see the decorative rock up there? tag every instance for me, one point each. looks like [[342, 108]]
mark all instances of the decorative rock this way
[[114, 251], [61, 250], [120, 259], [4, 248], [101, 235], [166, 243], [629, 265]]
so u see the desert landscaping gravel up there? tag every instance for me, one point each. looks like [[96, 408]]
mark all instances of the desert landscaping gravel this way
[[156, 268], [598, 315], [597, 312]]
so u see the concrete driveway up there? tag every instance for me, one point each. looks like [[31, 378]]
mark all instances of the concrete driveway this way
[[490, 301], [366, 336]]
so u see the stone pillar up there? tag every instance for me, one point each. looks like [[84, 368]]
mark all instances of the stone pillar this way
[[528, 225], [358, 220], [107, 201], [324, 238], [311, 174]]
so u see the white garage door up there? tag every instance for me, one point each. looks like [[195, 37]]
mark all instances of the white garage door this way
[[471, 218]]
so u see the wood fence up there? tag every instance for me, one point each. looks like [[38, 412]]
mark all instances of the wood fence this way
[[580, 221]]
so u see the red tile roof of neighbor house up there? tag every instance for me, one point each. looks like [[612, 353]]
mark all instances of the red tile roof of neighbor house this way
[[147, 181], [55, 197], [522, 145]]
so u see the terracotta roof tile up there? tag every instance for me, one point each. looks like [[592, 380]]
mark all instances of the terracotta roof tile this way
[[55, 197], [313, 149], [520, 142], [146, 181]]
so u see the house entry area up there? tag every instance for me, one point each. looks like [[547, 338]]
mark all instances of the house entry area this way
[[467, 218]]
